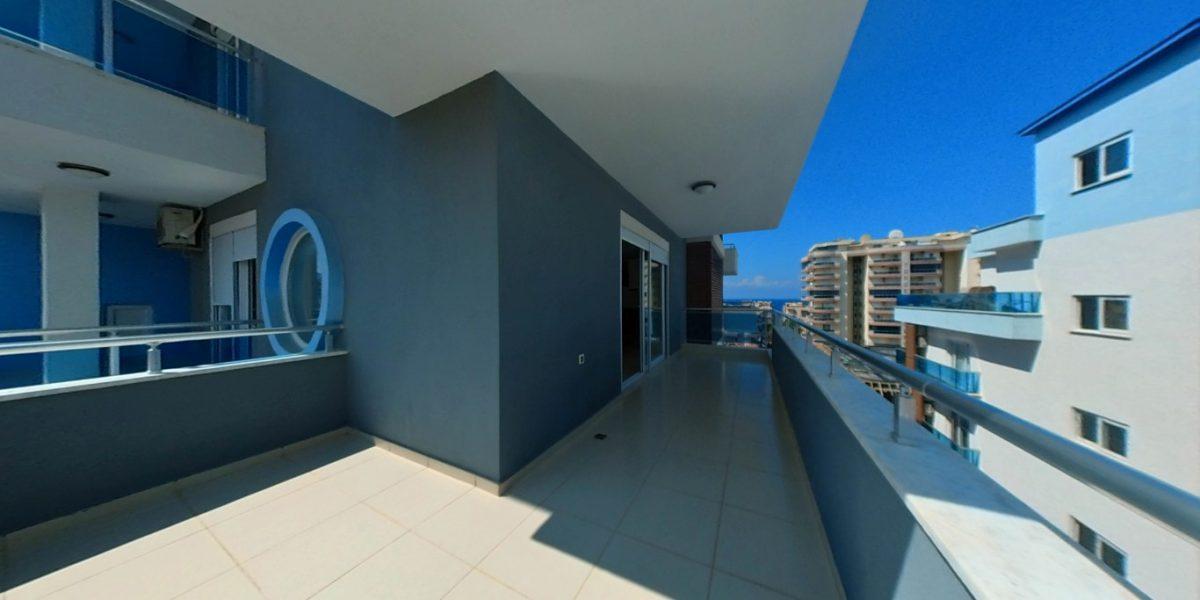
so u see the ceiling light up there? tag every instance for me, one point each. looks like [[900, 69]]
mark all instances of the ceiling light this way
[[703, 187], [84, 171]]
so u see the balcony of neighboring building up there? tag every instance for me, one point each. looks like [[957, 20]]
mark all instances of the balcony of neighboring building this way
[[155, 100], [920, 285], [1005, 315], [925, 258], [965, 381], [1025, 230]]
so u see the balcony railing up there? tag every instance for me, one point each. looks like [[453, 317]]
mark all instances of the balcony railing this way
[[113, 339], [729, 326], [1154, 498], [1005, 302], [171, 52], [966, 381]]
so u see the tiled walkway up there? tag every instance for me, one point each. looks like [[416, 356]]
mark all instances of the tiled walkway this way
[[697, 491]]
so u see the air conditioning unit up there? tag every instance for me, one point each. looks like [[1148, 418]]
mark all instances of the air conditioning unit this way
[[179, 227]]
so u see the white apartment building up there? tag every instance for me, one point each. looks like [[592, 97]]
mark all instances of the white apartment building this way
[[1092, 329], [852, 285]]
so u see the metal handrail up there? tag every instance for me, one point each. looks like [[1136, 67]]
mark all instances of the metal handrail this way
[[20, 333], [1153, 498], [153, 341]]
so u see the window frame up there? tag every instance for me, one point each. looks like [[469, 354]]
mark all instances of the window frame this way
[[1099, 542], [1101, 326], [1101, 150], [1102, 438]]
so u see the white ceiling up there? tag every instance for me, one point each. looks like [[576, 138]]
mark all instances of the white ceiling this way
[[661, 93]]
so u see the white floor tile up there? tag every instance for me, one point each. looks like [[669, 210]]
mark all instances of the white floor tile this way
[[225, 497], [232, 585], [779, 458], [689, 475], [711, 448], [301, 566], [253, 532], [375, 475], [44, 560], [548, 556], [163, 573], [728, 587], [473, 524], [600, 497], [631, 569], [333, 455], [418, 497], [774, 553], [683, 524], [409, 567], [476, 585], [769, 494]]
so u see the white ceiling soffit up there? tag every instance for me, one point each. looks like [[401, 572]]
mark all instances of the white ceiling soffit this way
[[661, 93]]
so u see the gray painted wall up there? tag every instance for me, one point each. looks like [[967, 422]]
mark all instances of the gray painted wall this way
[[65, 452], [413, 204], [481, 257], [880, 550], [559, 224]]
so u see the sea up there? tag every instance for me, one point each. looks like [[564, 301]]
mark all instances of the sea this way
[[776, 303]]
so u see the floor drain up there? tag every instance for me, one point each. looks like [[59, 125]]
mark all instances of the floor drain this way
[[600, 436]]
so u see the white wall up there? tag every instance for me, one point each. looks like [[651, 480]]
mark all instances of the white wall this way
[[1150, 382]]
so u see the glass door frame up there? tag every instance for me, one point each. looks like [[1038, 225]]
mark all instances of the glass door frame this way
[[654, 250]]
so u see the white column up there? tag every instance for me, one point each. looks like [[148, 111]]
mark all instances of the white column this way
[[70, 276]]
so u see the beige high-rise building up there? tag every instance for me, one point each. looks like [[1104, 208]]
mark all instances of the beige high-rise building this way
[[852, 285]]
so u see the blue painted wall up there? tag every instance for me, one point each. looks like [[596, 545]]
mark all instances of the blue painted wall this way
[[133, 270], [1160, 106], [20, 292]]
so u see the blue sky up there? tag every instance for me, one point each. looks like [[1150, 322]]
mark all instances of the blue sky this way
[[921, 132]]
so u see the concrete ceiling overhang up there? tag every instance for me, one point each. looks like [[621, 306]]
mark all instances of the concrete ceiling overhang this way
[[661, 93]]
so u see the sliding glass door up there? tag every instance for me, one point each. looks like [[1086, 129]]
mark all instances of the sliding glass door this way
[[632, 258], [643, 307], [656, 301]]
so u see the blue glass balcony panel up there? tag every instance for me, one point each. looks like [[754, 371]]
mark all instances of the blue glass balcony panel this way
[[147, 47], [1009, 302], [964, 381]]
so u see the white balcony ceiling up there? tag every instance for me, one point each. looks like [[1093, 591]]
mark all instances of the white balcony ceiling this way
[[660, 93]]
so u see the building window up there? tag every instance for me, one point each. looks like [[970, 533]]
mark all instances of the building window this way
[[1102, 163], [1112, 557], [1106, 433], [1104, 313]]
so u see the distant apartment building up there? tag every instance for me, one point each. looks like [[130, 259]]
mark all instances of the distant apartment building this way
[[1092, 329], [797, 308], [852, 285]]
